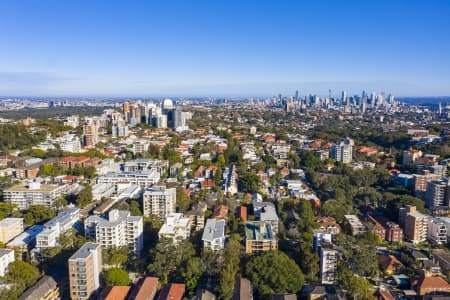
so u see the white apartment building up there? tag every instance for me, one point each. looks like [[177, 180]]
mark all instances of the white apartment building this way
[[120, 229], [230, 177], [437, 231], [328, 264], [10, 228], [33, 194], [159, 201], [142, 178], [175, 227], [214, 234], [73, 145], [6, 257], [60, 224], [342, 152]]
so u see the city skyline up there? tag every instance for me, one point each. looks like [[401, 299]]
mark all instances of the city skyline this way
[[224, 49]]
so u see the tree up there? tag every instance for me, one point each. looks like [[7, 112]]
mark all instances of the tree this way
[[22, 273], [357, 287], [115, 256], [221, 160], [274, 272], [84, 197], [183, 200], [116, 276], [135, 208], [248, 182], [230, 268], [38, 214], [6, 210]]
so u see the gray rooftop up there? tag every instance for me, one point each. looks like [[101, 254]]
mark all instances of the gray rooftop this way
[[84, 251], [40, 289], [214, 229]]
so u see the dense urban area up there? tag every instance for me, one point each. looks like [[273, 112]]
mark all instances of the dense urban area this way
[[286, 197]]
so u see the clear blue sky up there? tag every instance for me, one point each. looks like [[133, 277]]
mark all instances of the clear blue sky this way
[[229, 48]]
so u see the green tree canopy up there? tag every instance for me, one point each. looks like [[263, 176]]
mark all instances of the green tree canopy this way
[[274, 272], [116, 276]]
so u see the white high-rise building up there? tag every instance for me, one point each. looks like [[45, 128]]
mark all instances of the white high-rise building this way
[[120, 229], [160, 201], [343, 151]]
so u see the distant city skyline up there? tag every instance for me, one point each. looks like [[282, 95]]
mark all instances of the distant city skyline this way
[[224, 48]]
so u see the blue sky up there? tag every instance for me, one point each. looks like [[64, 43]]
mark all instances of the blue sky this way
[[224, 48]]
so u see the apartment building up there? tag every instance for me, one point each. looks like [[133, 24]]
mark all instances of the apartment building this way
[[230, 185], [437, 194], [411, 155], [10, 228], [355, 224], [141, 178], [437, 231], [416, 225], [342, 152], [120, 229], [23, 196], [393, 232], [259, 237], [60, 224], [159, 201], [176, 228], [85, 267], [328, 263], [214, 234], [421, 180], [6, 257], [266, 211]]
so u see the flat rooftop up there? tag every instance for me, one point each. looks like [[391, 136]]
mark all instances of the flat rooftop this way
[[259, 231], [84, 251], [24, 188]]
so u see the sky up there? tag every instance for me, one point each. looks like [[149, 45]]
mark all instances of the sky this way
[[224, 48]]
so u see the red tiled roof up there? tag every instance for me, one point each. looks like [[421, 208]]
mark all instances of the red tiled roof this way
[[173, 291]]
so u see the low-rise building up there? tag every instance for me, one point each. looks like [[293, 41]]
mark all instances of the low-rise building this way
[[173, 291], [23, 196], [6, 257], [45, 289], [175, 228], [10, 228], [143, 179], [65, 220], [259, 237], [214, 234], [355, 224]]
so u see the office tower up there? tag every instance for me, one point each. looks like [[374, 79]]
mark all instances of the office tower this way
[[342, 152], [437, 194], [120, 229], [161, 121], [90, 135], [167, 104], [343, 97], [85, 267], [296, 96], [159, 201], [179, 118]]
